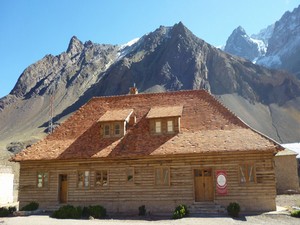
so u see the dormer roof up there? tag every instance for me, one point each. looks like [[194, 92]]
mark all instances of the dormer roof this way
[[166, 111], [116, 115]]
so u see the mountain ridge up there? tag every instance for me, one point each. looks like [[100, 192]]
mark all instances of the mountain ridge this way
[[282, 43], [167, 59]]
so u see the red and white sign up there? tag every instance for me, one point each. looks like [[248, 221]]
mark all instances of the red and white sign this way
[[221, 178]]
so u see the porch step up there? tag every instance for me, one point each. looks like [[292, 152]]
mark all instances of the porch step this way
[[206, 209]]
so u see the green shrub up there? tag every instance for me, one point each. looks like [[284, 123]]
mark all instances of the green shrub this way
[[295, 213], [68, 212], [30, 207], [142, 210], [180, 212], [12, 209], [4, 212], [96, 211], [233, 209]]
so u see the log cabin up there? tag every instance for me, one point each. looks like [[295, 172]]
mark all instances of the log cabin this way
[[158, 150]]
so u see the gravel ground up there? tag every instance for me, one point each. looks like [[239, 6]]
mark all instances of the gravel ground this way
[[271, 218]]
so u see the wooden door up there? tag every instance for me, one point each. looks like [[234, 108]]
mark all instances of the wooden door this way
[[203, 183], [63, 188]]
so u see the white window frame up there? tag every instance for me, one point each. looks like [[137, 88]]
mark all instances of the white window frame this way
[[105, 134], [157, 126], [170, 126], [119, 130]]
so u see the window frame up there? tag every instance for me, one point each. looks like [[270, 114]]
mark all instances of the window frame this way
[[101, 172], [155, 126], [128, 174], [245, 174], [104, 130], [120, 127], [86, 179], [161, 181], [45, 182], [173, 128]]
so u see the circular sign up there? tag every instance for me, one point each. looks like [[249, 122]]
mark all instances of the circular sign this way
[[221, 180]]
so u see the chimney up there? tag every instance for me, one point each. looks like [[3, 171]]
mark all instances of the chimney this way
[[133, 90]]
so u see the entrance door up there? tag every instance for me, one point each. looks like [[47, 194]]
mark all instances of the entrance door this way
[[204, 190], [63, 188]]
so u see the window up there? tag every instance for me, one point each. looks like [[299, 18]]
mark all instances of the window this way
[[157, 127], [117, 129], [247, 173], [170, 127], [83, 179], [101, 178], [162, 176], [130, 175], [42, 179], [106, 130]]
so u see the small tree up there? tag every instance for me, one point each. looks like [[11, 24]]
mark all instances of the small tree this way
[[233, 209], [180, 212]]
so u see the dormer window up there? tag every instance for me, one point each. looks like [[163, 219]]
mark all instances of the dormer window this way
[[170, 126], [106, 130], [113, 122], [117, 129], [164, 120], [158, 127]]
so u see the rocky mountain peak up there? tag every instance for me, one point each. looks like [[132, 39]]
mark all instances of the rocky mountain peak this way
[[241, 44], [75, 46], [284, 44], [239, 31], [285, 30]]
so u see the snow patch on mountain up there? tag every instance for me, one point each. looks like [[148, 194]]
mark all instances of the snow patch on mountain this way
[[261, 46], [124, 49], [130, 43]]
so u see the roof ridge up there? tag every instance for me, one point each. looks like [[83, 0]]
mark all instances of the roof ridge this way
[[149, 94]]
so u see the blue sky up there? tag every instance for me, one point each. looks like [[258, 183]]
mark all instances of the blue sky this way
[[30, 29]]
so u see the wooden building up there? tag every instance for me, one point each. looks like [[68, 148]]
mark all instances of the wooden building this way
[[158, 150]]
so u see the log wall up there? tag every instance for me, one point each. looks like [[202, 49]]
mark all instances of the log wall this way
[[121, 196]]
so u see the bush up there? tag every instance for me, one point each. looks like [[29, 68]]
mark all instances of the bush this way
[[30, 207], [295, 213], [233, 209], [96, 211], [68, 212], [71, 212], [180, 212], [12, 209], [4, 212], [142, 210]]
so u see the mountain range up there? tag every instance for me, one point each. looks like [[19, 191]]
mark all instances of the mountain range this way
[[276, 47], [167, 59]]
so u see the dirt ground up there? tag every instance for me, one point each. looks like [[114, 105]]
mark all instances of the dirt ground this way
[[271, 218]]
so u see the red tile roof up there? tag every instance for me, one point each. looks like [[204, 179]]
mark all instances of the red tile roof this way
[[206, 126]]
